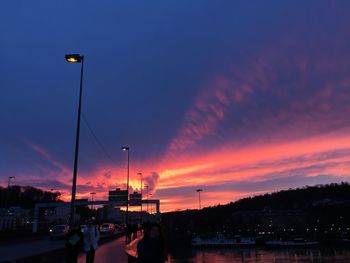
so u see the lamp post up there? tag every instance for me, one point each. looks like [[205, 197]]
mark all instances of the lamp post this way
[[140, 174], [76, 58], [127, 149], [9, 181], [199, 197], [92, 199], [151, 205], [147, 196]]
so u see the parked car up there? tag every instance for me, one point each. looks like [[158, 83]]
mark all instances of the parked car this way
[[107, 228], [119, 228], [59, 231]]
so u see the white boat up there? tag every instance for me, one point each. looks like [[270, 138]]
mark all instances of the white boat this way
[[295, 242], [221, 241]]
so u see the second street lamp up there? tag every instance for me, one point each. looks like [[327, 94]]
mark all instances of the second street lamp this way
[[147, 196], [127, 149], [140, 174], [76, 58]]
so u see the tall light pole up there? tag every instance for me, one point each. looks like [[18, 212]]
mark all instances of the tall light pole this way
[[147, 196], [151, 205], [140, 174], [199, 197], [127, 149], [9, 181], [76, 58], [92, 199]]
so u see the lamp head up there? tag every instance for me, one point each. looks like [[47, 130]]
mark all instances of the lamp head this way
[[74, 58], [125, 148]]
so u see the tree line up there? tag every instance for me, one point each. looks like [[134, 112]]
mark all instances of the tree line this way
[[26, 196]]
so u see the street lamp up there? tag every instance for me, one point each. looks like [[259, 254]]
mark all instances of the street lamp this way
[[127, 149], [140, 174], [76, 58], [147, 196], [92, 199], [151, 205], [9, 181], [199, 197]]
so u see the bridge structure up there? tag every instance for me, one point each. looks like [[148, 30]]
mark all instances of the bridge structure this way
[[38, 206]]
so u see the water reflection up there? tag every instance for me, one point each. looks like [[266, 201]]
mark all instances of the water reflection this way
[[252, 255]]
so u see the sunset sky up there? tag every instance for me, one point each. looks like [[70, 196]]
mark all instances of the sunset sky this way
[[237, 98]]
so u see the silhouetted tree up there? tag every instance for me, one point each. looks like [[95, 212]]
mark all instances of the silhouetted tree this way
[[26, 196]]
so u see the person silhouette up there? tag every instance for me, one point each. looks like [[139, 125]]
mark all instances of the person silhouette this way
[[151, 248], [74, 241], [91, 237]]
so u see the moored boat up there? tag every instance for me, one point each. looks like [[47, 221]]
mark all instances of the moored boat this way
[[294, 242], [221, 241]]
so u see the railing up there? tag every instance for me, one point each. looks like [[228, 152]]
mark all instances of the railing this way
[[131, 248]]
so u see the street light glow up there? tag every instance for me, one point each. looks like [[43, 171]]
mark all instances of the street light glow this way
[[73, 58], [125, 148]]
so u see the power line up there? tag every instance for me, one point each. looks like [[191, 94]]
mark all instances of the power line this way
[[103, 149]]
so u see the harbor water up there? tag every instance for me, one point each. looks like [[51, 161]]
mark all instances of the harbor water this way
[[250, 255]]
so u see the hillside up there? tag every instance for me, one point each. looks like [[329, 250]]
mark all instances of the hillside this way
[[308, 211]]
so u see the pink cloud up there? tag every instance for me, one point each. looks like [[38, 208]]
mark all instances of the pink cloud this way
[[318, 79]]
